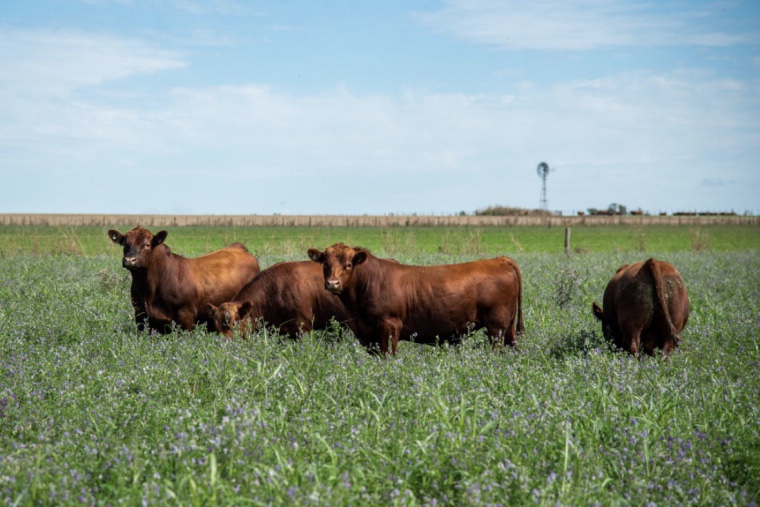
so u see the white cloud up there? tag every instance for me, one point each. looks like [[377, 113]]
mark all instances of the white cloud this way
[[55, 63], [573, 25], [56, 111], [601, 131]]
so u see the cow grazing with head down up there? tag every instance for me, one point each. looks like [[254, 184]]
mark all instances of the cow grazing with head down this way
[[287, 295], [645, 306], [388, 301], [168, 288]]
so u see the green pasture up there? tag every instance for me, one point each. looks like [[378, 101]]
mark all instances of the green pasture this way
[[294, 241], [93, 412]]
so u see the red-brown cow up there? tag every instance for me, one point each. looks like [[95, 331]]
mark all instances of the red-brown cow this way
[[288, 295], [170, 288], [388, 302], [645, 306]]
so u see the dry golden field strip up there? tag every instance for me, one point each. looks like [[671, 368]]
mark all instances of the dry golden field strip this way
[[363, 220]]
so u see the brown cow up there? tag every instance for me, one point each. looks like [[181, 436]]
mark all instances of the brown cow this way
[[287, 295], [170, 288], [389, 302], [645, 305]]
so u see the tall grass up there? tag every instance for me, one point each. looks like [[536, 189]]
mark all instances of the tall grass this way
[[93, 412]]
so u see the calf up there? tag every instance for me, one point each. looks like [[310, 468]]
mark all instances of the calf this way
[[645, 305], [288, 295], [168, 288], [388, 301]]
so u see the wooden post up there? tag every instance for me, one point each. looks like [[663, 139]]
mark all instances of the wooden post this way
[[567, 240]]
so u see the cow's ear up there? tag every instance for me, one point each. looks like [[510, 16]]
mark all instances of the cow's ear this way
[[211, 308], [245, 308], [316, 255], [159, 238], [598, 312], [359, 257], [116, 236]]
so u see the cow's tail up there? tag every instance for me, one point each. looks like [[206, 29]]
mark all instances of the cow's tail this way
[[661, 305], [520, 323]]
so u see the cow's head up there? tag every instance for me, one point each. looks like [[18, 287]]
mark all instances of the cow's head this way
[[599, 314], [338, 263], [227, 316], [138, 245]]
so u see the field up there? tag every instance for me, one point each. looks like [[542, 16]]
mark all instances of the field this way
[[94, 412], [294, 241]]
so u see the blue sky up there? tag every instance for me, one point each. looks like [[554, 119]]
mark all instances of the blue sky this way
[[346, 107]]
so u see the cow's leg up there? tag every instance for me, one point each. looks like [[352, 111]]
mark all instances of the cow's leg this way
[[394, 343], [186, 318], [140, 319], [670, 345], [500, 322], [632, 338], [502, 333], [499, 338], [303, 327], [141, 313], [296, 329], [389, 333], [367, 343]]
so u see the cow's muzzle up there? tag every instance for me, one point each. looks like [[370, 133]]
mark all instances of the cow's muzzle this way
[[333, 286], [130, 262]]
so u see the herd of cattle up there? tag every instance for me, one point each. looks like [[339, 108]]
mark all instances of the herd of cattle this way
[[381, 300]]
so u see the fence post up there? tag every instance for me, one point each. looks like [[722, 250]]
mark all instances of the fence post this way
[[567, 241]]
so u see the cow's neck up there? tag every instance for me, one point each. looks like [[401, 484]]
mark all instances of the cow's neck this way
[[362, 290], [163, 267], [257, 310]]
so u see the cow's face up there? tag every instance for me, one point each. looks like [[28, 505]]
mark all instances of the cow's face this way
[[138, 246], [227, 316], [599, 314], [338, 263]]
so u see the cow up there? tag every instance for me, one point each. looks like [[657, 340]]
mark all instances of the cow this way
[[645, 306], [388, 301], [167, 287], [287, 295]]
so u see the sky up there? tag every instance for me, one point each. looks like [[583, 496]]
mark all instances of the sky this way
[[358, 107]]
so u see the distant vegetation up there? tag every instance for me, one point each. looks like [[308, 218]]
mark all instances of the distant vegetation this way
[[506, 211], [614, 209], [621, 209]]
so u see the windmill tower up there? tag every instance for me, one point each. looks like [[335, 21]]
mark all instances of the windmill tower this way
[[543, 171]]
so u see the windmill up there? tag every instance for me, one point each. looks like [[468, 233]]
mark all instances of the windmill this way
[[543, 171]]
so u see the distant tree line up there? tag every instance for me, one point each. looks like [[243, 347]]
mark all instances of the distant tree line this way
[[614, 209], [506, 211]]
